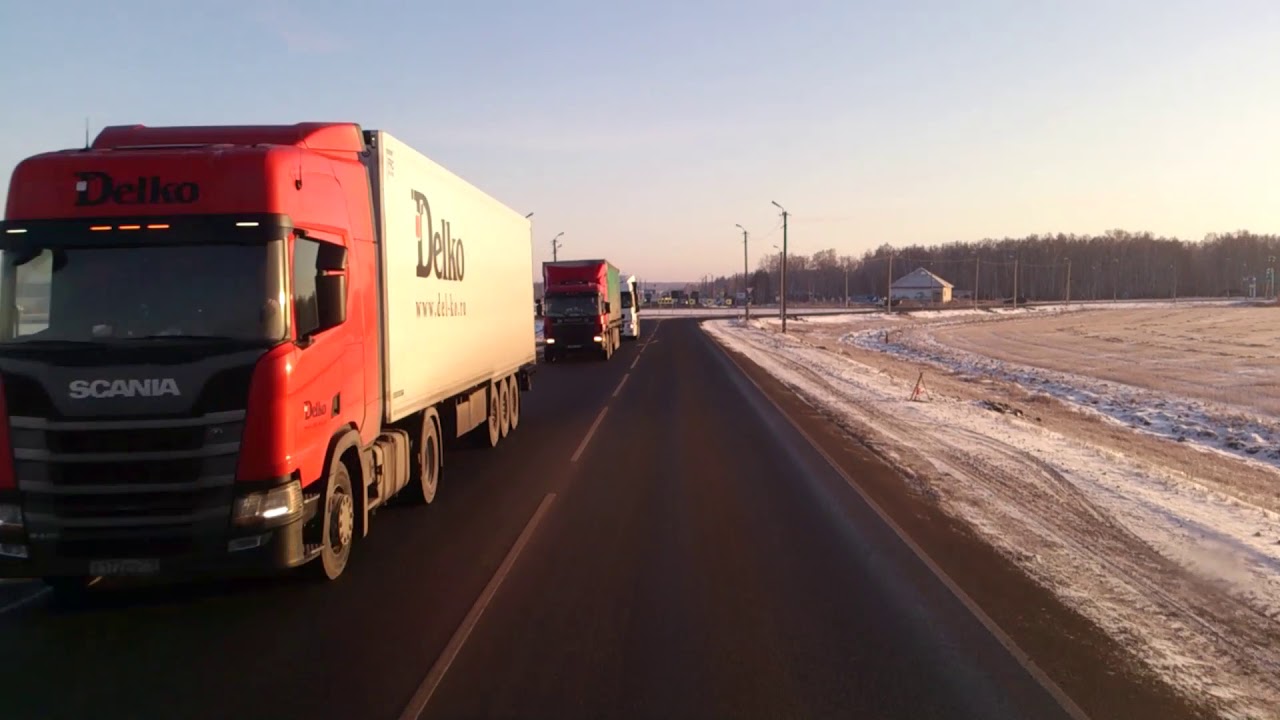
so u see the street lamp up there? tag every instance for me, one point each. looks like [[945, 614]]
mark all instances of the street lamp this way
[[783, 307], [746, 291], [555, 247]]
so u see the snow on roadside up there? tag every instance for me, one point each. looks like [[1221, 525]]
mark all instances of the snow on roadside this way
[[1230, 430], [1188, 579]]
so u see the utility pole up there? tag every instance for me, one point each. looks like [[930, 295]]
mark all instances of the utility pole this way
[[1175, 292], [746, 289], [846, 284], [555, 247], [977, 267], [1015, 282], [888, 296], [784, 266]]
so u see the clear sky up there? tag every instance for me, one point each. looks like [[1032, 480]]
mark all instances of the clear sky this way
[[645, 130]]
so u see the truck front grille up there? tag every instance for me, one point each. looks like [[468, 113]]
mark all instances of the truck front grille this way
[[101, 487]]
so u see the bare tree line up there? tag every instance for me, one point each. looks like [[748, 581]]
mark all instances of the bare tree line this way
[[1118, 264]]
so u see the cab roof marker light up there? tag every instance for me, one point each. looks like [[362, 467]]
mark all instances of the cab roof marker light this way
[[99, 228], [130, 227], [160, 226], [15, 231], [247, 223]]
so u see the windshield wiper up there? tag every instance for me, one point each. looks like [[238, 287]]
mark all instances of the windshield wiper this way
[[186, 338], [48, 343]]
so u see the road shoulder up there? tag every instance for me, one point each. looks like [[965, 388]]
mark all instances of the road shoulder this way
[[1093, 669]]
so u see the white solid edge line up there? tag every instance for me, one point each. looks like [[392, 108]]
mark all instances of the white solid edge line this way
[[431, 682], [26, 600], [587, 438], [635, 362], [1068, 705], [622, 382]]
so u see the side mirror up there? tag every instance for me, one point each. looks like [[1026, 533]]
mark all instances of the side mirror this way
[[537, 308], [608, 308], [330, 258], [331, 300]]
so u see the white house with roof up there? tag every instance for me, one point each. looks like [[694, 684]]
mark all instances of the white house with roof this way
[[921, 285]]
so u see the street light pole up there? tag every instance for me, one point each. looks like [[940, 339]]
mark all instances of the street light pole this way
[[784, 266], [555, 247], [746, 290]]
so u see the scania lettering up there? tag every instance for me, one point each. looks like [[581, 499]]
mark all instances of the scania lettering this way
[[151, 387], [97, 188], [224, 348]]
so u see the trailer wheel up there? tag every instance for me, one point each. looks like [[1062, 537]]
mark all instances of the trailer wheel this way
[[494, 426], [504, 407], [338, 524], [515, 401], [428, 458]]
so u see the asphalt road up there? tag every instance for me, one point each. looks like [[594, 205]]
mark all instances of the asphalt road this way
[[654, 540]]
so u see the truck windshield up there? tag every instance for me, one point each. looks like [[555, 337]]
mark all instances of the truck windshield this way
[[571, 305], [101, 294], [626, 300]]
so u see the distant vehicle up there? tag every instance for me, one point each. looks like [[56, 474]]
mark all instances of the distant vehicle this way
[[259, 335], [630, 309], [582, 308]]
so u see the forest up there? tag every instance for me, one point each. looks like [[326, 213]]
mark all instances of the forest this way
[[1116, 265]]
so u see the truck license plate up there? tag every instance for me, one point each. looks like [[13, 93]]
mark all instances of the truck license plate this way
[[147, 566]]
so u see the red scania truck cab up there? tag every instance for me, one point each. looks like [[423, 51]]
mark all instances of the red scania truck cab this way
[[222, 347], [581, 308]]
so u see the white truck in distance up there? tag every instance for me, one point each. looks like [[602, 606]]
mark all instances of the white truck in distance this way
[[630, 308]]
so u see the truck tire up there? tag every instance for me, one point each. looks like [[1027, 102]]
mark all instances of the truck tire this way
[[428, 457], [338, 524], [493, 428], [515, 401], [504, 407]]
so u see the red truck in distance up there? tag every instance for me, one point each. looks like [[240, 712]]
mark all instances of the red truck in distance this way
[[222, 348], [581, 308]]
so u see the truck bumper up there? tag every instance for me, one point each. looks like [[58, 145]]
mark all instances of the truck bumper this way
[[569, 344], [228, 553]]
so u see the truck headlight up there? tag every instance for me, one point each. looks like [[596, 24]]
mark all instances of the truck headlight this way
[[551, 341], [597, 338], [277, 506], [10, 517]]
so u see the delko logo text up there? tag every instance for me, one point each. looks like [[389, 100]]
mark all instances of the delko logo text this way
[[99, 188], [440, 254]]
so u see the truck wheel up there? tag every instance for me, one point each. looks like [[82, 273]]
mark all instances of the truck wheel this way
[[494, 426], [339, 523], [428, 459], [515, 401], [504, 407]]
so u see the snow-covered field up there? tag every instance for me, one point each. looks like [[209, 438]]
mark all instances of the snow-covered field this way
[[1198, 373], [1172, 547]]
